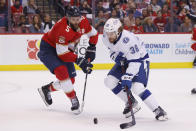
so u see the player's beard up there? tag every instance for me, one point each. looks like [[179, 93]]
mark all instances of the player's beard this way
[[112, 40], [75, 27]]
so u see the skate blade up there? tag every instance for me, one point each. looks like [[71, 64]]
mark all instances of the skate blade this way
[[163, 118], [79, 111], [135, 110], [42, 96], [76, 112]]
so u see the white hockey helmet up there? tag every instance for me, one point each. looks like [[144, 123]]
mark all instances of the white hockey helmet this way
[[112, 25]]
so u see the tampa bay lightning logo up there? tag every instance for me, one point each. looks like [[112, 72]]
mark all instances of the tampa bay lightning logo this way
[[125, 40]]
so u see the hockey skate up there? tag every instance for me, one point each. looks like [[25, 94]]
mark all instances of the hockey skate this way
[[75, 106], [194, 63], [127, 111], [45, 94], [160, 114]]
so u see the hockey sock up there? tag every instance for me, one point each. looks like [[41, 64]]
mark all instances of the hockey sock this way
[[51, 88], [149, 100], [66, 86], [71, 94]]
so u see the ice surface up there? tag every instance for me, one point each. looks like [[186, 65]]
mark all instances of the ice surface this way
[[21, 108]]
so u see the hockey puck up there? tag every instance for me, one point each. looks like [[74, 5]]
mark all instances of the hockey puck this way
[[193, 91], [95, 120]]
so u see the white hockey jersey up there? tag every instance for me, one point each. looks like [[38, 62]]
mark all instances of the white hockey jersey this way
[[132, 48]]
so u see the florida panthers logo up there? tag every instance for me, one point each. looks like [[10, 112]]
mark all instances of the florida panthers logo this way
[[32, 49]]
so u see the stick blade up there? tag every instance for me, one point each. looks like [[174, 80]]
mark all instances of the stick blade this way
[[127, 125]]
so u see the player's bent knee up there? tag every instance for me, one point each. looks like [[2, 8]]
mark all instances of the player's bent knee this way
[[61, 73], [140, 90], [111, 82]]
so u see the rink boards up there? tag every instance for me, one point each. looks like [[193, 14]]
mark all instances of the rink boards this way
[[19, 52]]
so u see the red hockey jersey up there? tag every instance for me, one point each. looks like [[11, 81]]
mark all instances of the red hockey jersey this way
[[193, 46], [63, 38]]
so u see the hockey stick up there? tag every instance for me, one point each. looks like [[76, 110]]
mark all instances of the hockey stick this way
[[84, 92], [129, 96]]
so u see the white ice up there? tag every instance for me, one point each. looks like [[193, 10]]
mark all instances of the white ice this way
[[22, 109]]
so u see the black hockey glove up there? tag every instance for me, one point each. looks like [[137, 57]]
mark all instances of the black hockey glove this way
[[90, 52], [84, 64]]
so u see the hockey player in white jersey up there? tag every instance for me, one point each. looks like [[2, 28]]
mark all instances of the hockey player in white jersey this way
[[124, 45]]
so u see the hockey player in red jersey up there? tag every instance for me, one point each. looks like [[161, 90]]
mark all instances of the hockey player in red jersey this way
[[57, 54], [192, 16], [193, 46]]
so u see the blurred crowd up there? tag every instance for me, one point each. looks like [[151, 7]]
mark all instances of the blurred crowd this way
[[26, 17], [141, 16], [138, 16]]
